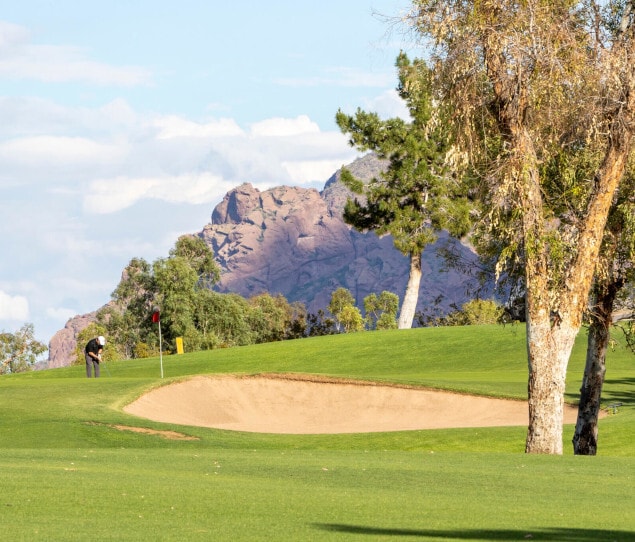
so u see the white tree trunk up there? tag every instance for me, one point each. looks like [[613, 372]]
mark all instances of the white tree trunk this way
[[548, 349], [410, 298]]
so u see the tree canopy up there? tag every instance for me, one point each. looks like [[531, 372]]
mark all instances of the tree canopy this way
[[19, 351]]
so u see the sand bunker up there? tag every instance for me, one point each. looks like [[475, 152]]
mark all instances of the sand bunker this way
[[294, 405]]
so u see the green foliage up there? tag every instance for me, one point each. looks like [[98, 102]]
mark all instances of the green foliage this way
[[481, 311], [128, 318], [351, 319], [273, 318], [143, 350], [472, 313], [179, 287], [340, 305], [176, 281], [199, 257], [19, 351], [318, 324], [381, 312], [222, 319]]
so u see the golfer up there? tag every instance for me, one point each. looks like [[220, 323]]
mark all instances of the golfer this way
[[93, 351]]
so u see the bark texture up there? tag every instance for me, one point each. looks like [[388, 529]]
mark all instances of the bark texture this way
[[585, 438], [411, 296]]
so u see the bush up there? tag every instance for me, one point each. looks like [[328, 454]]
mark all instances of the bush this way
[[480, 312]]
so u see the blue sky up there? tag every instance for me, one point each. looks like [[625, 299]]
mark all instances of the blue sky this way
[[124, 123]]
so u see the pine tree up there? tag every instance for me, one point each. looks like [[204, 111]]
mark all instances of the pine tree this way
[[416, 196]]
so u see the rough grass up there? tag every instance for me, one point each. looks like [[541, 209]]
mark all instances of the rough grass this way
[[69, 472]]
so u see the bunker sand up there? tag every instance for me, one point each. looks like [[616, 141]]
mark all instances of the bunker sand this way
[[294, 404]]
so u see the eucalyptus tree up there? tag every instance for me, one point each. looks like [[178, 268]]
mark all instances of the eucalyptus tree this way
[[416, 196], [199, 257], [19, 351], [272, 317], [347, 315], [526, 81], [381, 311]]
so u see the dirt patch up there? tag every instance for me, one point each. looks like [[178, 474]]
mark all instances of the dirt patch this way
[[170, 435], [296, 404]]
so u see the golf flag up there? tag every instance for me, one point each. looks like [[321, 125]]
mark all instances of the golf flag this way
[[156, 317]]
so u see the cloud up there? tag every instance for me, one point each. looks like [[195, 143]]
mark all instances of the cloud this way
[[313, 170], [57, 151], [340, 77], [277, 127], [24, 117], [177, 160], [171, 127], [111, 195], [61, 314], [13, 308], [388, 105], [22, 59]]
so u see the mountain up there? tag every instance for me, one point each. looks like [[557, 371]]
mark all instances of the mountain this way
[[293, 241]]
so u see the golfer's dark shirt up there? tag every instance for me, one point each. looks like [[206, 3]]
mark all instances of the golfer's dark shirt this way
[[93, 346]]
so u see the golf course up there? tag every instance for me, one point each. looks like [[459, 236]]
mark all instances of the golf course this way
[[384, 435]]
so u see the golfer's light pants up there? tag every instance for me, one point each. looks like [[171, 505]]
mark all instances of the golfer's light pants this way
[[90, 364]]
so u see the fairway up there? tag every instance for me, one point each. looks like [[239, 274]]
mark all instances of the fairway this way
[[77, 467]]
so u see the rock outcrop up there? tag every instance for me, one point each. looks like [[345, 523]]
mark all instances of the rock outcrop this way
[[293, 241], [63, 343]]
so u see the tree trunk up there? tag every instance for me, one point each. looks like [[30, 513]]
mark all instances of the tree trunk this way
[[585, 438], [548, 349], [409, 305]]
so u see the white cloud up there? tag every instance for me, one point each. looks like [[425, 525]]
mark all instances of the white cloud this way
[[388, 105], [111, 195], [55, 151], [13, 308], [25, 117], [341, 77], [173, 127], [176, 160], [61, 314], [313, 170], [22, 59], [280, 127]]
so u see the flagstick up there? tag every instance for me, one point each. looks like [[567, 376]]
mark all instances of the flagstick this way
[[160, 349]]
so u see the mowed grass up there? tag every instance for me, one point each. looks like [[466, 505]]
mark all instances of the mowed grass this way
[[70, 473]]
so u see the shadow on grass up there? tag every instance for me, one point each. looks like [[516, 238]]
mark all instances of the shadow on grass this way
[[625, 394], [554, 534]]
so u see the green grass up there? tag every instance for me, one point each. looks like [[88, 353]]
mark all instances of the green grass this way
[[68, 474]]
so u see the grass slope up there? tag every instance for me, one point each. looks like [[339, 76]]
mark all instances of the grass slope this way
[[70, 474]]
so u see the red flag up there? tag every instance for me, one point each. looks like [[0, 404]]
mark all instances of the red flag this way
[[155, 317]]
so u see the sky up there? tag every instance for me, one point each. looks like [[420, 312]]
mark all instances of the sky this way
[[124, 123]]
